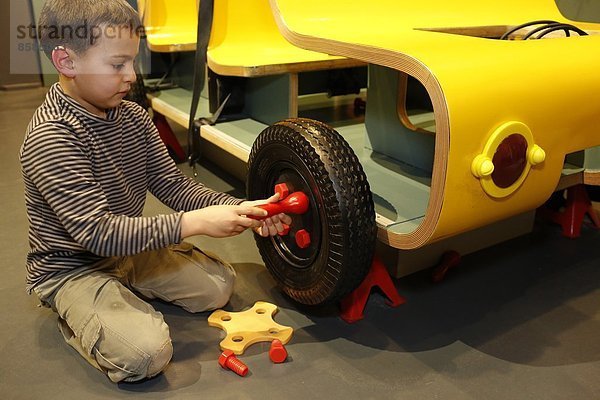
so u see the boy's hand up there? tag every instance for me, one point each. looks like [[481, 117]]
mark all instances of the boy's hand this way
[[220, 221], [254, 203], [273, 225]]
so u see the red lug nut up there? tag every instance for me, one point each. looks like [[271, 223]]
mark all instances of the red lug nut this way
[[302, 239], [228, 360], [283, 190], [277, 353]]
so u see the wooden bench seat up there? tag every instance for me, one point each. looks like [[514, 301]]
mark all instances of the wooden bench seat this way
[[245, 41]]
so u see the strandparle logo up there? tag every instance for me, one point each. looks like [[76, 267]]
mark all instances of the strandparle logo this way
[[28, 36], [84, 31], [26, 50]]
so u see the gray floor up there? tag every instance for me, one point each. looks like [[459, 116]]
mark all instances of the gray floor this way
[[520, 320]]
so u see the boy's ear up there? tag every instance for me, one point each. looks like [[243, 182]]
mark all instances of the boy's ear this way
[[63, 62]]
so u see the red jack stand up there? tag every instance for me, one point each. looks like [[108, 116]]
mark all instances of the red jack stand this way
[[354, 303], [168, 137], [450, 259], [577, 206]]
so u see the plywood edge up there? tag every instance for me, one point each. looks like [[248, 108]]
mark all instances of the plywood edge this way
[[276, 69], [171, 47], [222, 140], [209, 133], [591, 177], [180, 117]]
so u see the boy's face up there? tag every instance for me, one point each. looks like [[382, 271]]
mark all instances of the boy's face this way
[[103, 74]]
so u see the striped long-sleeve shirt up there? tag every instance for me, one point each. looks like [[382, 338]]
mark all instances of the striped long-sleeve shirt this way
[[86, 180]]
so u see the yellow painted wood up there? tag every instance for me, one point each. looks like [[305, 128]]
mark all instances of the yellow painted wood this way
[[476, 85], [245, 41], [170, 25], [248, 327]]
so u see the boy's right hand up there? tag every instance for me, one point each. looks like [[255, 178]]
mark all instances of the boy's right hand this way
[[220, 221]]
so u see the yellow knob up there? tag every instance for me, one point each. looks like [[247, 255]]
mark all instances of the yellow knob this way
[[536, 155], [482, 166]]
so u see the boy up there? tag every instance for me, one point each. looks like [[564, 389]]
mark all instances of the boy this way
[[88, 159]]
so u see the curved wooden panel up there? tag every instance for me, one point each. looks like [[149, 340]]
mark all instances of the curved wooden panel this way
[[477, 86]]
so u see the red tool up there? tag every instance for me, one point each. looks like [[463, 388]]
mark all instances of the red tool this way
[[277, 353], [295, 203], [228, 360]]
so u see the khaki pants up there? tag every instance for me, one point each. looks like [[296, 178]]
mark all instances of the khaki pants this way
[[115, 330]]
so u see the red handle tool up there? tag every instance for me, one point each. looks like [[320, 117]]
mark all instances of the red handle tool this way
[[295, 203]]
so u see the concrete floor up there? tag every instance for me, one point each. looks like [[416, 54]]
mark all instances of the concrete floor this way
[[520, 320]]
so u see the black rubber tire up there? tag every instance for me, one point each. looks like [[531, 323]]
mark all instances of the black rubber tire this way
[[312, 157]]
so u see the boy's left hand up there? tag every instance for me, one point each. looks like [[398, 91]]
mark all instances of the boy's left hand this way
[[273, 225]]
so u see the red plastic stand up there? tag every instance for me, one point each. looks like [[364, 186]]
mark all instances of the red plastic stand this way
[[577, 206], [168, 137], [450, 259], [354, 304]]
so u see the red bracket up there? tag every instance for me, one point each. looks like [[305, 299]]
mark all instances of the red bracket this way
[[168, 137], [354, 304], [450, 259], [571, 218]]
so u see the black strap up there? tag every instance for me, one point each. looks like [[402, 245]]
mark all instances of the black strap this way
[[205, 18]]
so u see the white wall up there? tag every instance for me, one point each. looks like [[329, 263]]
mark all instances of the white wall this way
[[22, 9]]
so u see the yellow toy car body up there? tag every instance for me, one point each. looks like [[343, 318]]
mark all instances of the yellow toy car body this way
[[483, 90]]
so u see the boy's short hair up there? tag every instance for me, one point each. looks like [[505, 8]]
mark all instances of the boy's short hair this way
[[79, 24]]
